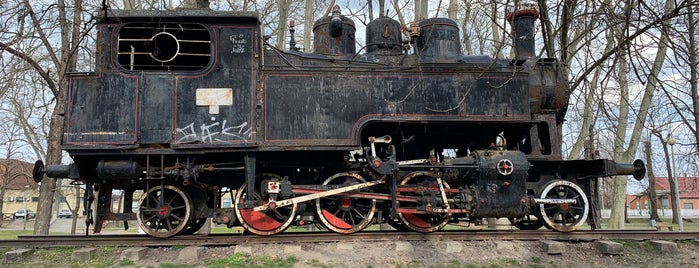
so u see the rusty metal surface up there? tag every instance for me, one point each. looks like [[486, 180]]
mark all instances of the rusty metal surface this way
[[383, 36], [439, 40], [334, 36], [342, 104]]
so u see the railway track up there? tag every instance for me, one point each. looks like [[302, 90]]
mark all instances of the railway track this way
[[323, 237]]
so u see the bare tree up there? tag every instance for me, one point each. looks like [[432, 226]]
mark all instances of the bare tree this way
[[577, 25], [620, 183], [58, 28]]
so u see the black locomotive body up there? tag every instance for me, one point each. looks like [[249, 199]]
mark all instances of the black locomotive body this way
[[189, 105]]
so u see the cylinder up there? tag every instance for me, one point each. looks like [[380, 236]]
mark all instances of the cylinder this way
[[118, 170]]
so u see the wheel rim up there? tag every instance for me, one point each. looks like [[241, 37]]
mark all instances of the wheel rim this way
[[428, 222], [341, 213], [564, 217], [263, 222], [164, 211]]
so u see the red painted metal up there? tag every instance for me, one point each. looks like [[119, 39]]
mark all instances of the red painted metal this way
[[345, 202], [335, 221], [415, 220], [164, 211], [259, 220]]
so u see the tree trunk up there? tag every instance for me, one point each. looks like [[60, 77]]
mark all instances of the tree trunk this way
[[652, 196], [70, 36], [693, 68], [495, 28], [396, 7], [54, 155], [618, 214], [420, 10], [283, 6], [74, 211], [619, 200], [382, 8], [308, 26], [671, 178]]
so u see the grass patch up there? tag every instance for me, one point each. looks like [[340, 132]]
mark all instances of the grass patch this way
[[12, 234], [127, 262], [635, 245], [178, 247], [60, 257], [453, 264], [497, 263], [170, 265], [317, 263], [55, 253], [242, 260]]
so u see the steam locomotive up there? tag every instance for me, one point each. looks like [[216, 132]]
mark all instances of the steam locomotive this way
[[191, 105]]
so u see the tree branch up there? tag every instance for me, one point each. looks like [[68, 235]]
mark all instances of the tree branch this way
[[44, 74]]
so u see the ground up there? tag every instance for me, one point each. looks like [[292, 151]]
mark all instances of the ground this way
[[435, 253]]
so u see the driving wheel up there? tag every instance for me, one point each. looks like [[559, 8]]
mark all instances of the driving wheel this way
[[421, 183], [341, 213], [564, 217], [267, 222], [164, 211]]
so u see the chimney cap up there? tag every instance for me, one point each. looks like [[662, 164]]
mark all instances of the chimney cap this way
[[522, 8]]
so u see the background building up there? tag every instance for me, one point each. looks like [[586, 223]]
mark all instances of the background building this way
[[19, 191], [638, 204]]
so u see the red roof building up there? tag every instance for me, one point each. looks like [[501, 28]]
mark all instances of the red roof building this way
[[689, 194], [16, 175]]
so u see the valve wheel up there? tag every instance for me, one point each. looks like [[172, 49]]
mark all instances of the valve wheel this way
[[505, 167]]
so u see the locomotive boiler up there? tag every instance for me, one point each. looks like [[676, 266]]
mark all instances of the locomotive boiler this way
[[187, 106]]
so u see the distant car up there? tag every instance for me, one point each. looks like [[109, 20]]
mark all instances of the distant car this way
[[64, 213], [21, 213]]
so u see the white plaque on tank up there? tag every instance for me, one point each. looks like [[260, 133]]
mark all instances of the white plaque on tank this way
[[214, 97]]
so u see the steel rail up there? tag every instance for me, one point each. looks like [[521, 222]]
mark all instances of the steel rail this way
[[51, 241]]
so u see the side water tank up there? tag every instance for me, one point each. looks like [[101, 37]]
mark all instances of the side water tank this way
[[439, 37], [383, 36], [334, 35]]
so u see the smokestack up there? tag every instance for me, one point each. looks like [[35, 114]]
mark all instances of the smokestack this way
[[522, 16]]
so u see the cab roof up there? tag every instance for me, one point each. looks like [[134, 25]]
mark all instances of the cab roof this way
[[180, 15]]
